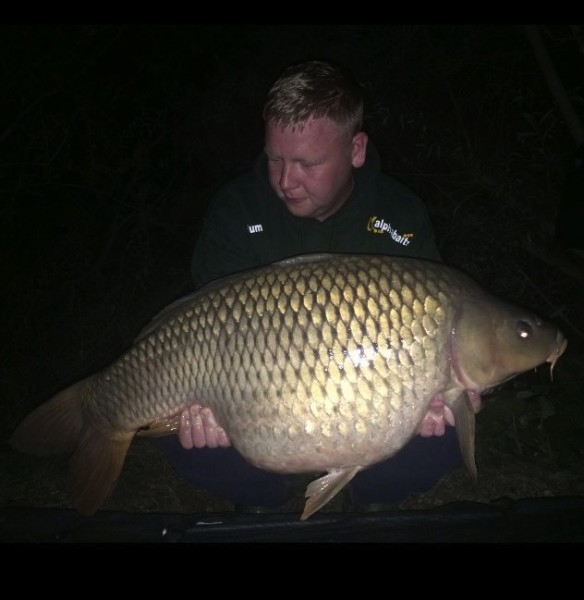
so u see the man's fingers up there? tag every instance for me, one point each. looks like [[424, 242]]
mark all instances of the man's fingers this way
[[191, 433], [223, 440], [438, 416], [198, 429], [185, 435], [210, 427]]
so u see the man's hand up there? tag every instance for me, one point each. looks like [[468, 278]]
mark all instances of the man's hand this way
[[436, 419], [198, 429]]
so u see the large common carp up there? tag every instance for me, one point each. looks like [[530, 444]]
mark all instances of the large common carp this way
[[319, 363]]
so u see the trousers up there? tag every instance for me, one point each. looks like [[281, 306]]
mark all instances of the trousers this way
[[416, 468]]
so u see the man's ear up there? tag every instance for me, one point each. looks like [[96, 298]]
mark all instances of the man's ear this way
[[359, 149]]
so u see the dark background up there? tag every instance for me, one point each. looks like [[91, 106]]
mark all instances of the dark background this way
[[113, 138]]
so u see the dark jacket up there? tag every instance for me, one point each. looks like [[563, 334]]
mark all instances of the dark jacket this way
[[247, 225]]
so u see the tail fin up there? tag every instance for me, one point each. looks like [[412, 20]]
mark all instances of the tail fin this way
[[58, 427]]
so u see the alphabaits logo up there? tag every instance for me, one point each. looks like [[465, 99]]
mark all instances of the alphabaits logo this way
[[376, 225]]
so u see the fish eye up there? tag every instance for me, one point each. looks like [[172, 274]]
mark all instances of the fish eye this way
[[524, 329]]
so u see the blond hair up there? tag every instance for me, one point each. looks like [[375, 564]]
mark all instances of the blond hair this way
[[313, 90]]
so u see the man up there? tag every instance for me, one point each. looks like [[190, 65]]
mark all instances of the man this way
[[315, 188]]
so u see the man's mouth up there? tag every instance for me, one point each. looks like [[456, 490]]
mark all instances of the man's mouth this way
[[293, 200]]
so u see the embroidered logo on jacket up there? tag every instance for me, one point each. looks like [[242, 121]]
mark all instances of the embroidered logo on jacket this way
[[376, 225], [255, 228]]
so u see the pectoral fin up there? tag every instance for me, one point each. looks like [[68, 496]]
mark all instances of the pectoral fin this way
[[464, 419], [321, 491], [95, 467]]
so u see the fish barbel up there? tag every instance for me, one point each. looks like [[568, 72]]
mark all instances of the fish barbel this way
[[321, 363]]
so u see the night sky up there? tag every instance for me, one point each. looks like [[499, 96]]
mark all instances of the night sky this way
[[114, 138]]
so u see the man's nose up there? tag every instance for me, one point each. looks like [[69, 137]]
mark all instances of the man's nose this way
[[287, 177]]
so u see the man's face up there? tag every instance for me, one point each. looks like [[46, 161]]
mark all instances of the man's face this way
[[312, 170]]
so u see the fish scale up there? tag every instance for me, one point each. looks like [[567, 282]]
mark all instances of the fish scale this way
[[319, 363]]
